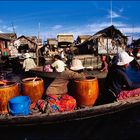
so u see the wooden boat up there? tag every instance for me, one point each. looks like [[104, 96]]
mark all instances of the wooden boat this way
[[79, 114], [38, 71], [91, 122], [93, 112]]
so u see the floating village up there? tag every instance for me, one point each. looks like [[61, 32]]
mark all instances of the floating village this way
[[39, 82]]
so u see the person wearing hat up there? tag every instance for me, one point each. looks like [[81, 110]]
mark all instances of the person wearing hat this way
[[58, 98], [64, 76], [117, 83], [77, 65], [69, 57], [28, 63], [58, 65]]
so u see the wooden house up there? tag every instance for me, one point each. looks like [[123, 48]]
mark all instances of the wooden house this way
[[11, 46], [52, 42], [111, 40], [11, 36], [64, 40], [107, 41], [82, 38], [35, 39], [28, 41], [88, 46], [4, 50]]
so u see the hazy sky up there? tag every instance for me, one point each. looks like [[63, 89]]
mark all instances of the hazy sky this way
[[76, 17]]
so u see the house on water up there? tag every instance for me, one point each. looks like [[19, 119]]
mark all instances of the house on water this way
[[52, 42], [4, 50], [64, 40], [107, 41], [26, 44], [10, 44]]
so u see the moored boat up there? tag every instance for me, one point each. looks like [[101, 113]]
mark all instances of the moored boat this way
[[79, 114], [89, 122], [94, 111]]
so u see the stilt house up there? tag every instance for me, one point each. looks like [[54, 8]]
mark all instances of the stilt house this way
[[64, 40], [107, 41]]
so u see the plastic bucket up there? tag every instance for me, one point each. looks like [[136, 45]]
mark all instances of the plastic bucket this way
[[19, 105]]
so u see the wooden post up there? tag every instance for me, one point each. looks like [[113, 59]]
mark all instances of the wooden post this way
[[37, 59], [97, 52], [37, 56], [107, 45]]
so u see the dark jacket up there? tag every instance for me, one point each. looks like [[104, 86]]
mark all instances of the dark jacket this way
[[117, 80]]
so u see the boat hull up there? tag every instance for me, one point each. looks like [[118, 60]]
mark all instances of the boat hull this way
[[80, 114]]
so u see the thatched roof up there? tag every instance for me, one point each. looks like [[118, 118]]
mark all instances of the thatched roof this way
[[10, 35], [64, 35], [3, 37], [65, 38], [52, 41], [94, 37], [27, 39], [111, 32], [83, 36]]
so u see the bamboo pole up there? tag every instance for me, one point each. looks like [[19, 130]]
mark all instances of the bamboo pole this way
[[37, 55]]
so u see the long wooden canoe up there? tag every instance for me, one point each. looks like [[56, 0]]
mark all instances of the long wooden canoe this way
[[80, 114], [38, 71]]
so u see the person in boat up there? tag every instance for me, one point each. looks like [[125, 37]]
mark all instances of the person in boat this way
[[47, 67], [69, 57], [62, 54], [28, 63], [58, 65], [65, 74], [105, 62], [117, 83], [57, 96], [16, 65]]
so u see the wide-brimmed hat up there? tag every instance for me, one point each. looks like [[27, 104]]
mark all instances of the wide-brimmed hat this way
[[27, 55], [124, 58], [76, 65]]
